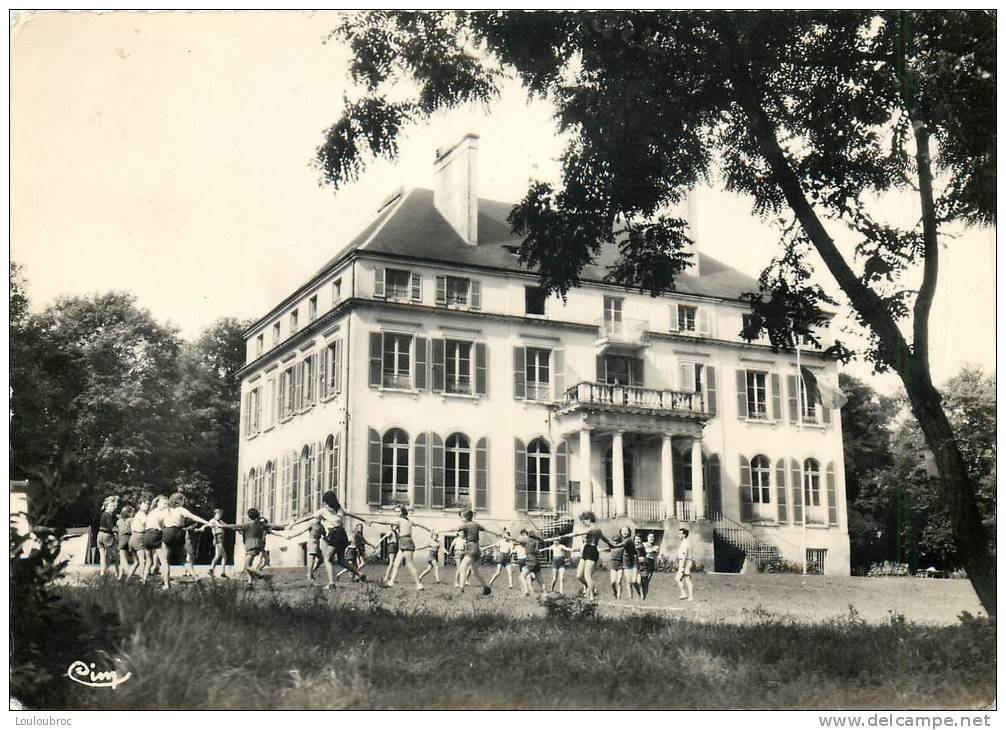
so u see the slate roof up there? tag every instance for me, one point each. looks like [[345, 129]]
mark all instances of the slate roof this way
[[412, 227]]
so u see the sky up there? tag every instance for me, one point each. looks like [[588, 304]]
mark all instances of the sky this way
[[169, 155]]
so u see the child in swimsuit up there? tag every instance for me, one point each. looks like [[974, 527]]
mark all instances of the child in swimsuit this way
[[219, 556], [433, 557]]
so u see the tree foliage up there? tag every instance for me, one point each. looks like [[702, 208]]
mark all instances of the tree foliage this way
[[112, 402], [811, 115]]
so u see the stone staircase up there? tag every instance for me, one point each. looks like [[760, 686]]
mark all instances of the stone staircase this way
[[734, 542]]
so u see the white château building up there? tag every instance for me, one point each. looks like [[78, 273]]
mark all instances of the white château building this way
[[422, 365]]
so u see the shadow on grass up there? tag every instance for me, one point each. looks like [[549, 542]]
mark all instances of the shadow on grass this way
[[215, 646]]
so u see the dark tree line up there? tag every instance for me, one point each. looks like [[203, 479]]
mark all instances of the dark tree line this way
[[811, 115], [895, 506], [106, 400]]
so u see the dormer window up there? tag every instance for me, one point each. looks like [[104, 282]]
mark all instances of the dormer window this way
[[690, 319], [534, 300], [458, 292], [398, 285], [686, 318]]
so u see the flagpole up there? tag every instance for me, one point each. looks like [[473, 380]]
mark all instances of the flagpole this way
[[800, 387]]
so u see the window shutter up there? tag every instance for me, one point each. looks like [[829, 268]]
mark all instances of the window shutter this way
[[298, 386], [481, 374], [284, 491], [825, 415], [373, 467], [475, 296], [792, 401], [747, 512], [481, 474], [420, 472], [441, 297], [742, 395], [258, 409], [637, 371], [715, 489], [336, 376], [829, 476], [780, 490], [246, 416], [796, 486], [436, 471], [559, 373], [438, 365], [674, 318], [602, 374], [561, 476], [326, 356], [312, 381], [376, 348], [519, 387], [421, 363], [309, 474], [520, 475], [710, 379], [687, 377], [275, 401], [378, 282], [417, 286], [704, 323], [776, 398]]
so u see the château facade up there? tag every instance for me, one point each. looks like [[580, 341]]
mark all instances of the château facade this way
[[423, 366]]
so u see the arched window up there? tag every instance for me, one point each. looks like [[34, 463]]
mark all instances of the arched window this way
[[332, 463], [812, 483], [539, 470], [307, 472], [609, 473], [395, 467], [270, 488], [260, 490], [761, 472], [457, 471]]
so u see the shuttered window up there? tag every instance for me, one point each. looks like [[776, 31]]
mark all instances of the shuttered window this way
[[457, 471], [539, 475], [395, 467], [761, 471], [482, 474]]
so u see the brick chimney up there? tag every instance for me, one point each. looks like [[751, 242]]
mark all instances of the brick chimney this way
[[456, 189]]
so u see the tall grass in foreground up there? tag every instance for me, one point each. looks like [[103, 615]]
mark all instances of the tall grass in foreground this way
[[212, 646]]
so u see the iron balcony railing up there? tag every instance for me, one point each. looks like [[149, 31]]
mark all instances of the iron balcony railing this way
[[623, 330], [632, 396]]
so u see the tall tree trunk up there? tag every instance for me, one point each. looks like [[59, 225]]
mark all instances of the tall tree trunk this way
[[959, 491]]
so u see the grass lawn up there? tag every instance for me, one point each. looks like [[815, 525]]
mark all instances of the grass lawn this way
[[752, 641]]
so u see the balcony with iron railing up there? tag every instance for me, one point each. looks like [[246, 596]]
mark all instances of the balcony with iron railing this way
[[631, 334], [634, 397]]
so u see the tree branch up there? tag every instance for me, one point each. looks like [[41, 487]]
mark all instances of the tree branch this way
[[894, 348], [930, 245]]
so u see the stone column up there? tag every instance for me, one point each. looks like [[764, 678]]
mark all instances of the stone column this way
[[666, 475], [618, 474], [698, 496], [586, 486]]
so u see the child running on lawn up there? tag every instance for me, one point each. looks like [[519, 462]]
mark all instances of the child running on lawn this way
[[215, 527], [432, 558], [254, 533]]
